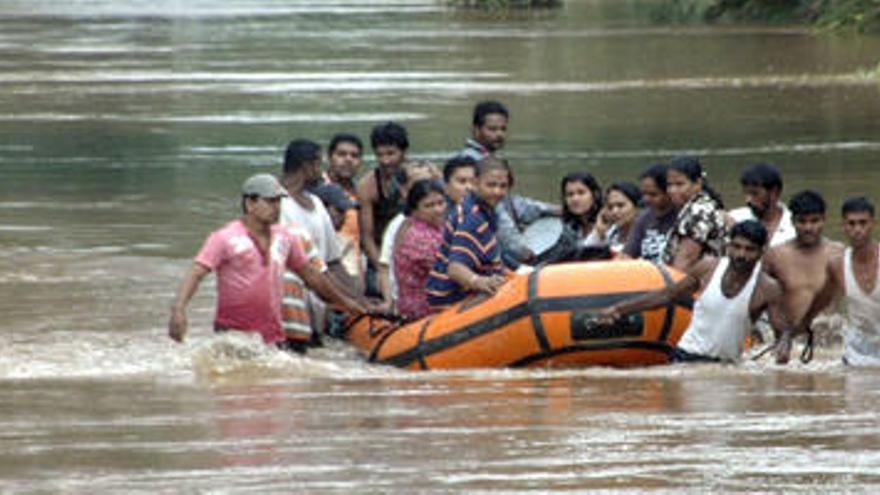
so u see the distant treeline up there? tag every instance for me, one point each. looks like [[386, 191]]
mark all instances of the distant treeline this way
[[858, 15], [505, 4]]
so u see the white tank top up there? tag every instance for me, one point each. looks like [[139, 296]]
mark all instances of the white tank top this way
[[861, 337], [719, 325]]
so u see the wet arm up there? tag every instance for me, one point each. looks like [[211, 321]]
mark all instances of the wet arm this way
[[177, 324], [654, 299], [689, 252], [365, 221], [471, 281], [327, 290]]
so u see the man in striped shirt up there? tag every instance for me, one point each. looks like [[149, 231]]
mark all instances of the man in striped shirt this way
[[469, 261]]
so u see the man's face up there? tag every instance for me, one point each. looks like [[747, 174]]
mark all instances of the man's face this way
[[388, 155], [493, 132], [759, 199], [808, 228], [743, 254], [264, 210], [312, 171], [461, 182], [492, 186], [345, 160], [858, 226]]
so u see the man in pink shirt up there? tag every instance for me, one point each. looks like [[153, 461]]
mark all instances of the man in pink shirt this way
[[249, 255]]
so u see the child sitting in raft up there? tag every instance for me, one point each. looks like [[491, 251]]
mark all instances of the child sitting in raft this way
[[469, 260]]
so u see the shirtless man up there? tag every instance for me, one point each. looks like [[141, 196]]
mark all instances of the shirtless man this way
[[378, 193], [733, 292], [855, 272], [800, 266]]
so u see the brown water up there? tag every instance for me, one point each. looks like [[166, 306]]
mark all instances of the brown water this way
[[127, 126]]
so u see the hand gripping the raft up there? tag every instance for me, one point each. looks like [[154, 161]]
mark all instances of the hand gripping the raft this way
[[249, 255], [733, 293]]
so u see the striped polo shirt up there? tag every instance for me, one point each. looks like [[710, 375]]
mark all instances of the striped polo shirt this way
[[468, 238]]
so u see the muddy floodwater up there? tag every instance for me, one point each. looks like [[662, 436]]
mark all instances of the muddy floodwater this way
[[127, 128]]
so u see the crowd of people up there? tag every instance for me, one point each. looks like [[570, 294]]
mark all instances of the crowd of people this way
[[411, 238]]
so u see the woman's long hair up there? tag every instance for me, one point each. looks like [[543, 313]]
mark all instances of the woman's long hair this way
[[592, 184], [691, 168]]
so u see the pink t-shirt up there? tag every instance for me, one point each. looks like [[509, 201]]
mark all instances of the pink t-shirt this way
[[249, 286]]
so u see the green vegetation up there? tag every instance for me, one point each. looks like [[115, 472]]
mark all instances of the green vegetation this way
[[504, 4], [848, 15]]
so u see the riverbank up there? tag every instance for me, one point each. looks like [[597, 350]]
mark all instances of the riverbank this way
[[861, 16]]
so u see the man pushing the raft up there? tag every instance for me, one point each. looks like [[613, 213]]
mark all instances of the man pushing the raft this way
[[249, 256], [733, 293]]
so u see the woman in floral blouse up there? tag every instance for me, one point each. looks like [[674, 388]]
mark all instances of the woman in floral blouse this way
[[700, 227], [418, 242]]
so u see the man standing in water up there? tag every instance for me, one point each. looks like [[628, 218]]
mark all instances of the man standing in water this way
[[733, 292], [249, 256], [800, 266], [855, 272], [762, 186]]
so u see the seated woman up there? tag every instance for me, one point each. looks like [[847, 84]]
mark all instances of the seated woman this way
[[620, 211], [648, 236], [700, 227], [581, 203], [416, 247], [469, 260]]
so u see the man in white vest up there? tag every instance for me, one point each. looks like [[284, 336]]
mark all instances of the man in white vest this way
[[855, 272], [733, 293]]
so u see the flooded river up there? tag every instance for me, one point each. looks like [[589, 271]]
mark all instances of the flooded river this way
[[128, 126]]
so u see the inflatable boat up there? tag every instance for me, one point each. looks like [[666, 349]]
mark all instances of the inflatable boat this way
[[546, 318]]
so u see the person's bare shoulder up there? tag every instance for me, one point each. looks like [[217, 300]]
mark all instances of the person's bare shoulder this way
[[834, 248], [769, 288], [773, 256], [835, 266], [366, 189], [702, 270]]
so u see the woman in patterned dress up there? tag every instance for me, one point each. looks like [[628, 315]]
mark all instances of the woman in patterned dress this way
[[700, 227]]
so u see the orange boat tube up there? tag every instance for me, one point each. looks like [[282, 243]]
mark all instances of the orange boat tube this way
[[542, 319]]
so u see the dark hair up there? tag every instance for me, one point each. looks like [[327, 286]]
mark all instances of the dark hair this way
[[692, 169], [298, 153], [344, 137], [857, 204], [419, 191], [455, 163], [807, 202], [592, 184], [494, 162], [751, 230], [657, 173], [762, 175], [628, 189], [389, 134], [484, 108]]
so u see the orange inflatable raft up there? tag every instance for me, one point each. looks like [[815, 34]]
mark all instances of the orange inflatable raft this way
[[542, 319]]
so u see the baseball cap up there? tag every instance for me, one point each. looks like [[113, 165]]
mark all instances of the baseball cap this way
[[334, 195], [263, 186]]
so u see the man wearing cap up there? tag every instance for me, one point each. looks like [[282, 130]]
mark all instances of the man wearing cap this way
[[339, 205], [249, 255]]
